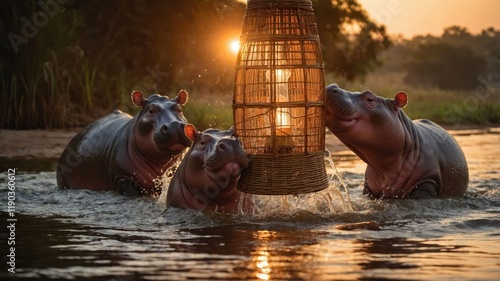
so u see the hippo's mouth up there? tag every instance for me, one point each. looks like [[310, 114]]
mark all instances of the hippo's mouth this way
[[173, 144], [170, 148], [337, 123], [177, 147], [225, 175]]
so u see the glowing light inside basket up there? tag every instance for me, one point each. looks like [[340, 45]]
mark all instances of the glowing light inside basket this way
[[283, 117]]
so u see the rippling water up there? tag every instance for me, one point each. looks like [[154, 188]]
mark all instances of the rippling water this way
[[81, 234]]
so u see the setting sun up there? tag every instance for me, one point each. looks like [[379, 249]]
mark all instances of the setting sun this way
[[235, 45]]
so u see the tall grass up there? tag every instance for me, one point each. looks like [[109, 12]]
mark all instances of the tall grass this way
[[50, 82]]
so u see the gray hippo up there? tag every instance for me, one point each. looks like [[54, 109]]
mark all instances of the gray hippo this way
[[207, 177], [405, 158], [118, 152]]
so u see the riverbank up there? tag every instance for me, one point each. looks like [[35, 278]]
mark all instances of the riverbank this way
[[50, 143], [34, 143]]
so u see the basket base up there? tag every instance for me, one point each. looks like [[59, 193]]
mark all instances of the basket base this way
[[284, 175]]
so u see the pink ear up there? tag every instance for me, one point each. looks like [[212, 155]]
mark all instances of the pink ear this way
[[137, 98], [191, 132], [182, 97], [400, 100]]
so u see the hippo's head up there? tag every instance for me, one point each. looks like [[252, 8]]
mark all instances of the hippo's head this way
[[160, 124], [214, 164], [364, 121]]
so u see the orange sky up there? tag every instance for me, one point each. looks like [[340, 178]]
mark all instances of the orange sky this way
[[420, 17]]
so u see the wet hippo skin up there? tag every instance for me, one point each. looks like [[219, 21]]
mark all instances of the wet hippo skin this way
[[405, 159], [124, 153], [209, 172]]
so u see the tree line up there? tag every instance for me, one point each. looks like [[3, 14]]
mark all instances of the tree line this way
[[64, 62], [453, 61]]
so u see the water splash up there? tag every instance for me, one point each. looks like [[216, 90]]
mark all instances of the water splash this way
[[336, 175], [334, 199], [163, 181]]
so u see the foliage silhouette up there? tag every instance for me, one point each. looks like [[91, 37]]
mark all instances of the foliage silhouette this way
[[87, 56], [445, 66]]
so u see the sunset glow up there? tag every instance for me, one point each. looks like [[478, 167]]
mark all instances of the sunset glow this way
[[234, 46], [411, 18]]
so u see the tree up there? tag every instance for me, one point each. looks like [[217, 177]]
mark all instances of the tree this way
[[444, 65], [456, 31], [350, 40], [86, 56]]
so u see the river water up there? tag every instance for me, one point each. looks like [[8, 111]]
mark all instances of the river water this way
[[329, 235]]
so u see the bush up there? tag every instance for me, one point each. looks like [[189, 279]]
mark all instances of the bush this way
[[445, 66]]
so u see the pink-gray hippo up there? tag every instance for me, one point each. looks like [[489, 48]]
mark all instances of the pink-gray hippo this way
[[207, 177], [124, 153], [405, 159]]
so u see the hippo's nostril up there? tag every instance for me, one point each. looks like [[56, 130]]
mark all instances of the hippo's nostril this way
[[221, 146], [164, 129]]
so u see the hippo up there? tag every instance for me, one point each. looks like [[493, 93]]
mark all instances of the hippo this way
[[405, 158], [124, 153], [207, 177]]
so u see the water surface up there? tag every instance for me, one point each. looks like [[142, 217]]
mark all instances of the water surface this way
[[81, 234]]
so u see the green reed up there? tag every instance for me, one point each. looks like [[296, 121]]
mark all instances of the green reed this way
[[50, 82]]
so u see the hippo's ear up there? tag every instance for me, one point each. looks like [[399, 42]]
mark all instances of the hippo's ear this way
[[400, 100], [182, 97], [191, 132], [137, 98], [232, 131]]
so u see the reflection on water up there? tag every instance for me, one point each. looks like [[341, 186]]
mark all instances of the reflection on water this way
[[81, 234]]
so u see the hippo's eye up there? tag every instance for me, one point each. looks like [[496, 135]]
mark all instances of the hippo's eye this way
[[152, 109], [178, 108], [369, 98], [204, 140]]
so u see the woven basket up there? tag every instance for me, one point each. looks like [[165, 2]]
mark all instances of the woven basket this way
[[279, 100]]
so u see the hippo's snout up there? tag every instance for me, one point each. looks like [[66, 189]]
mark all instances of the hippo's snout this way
[[172, 128], [226, 163], [164, 129], [339, 102], [226, 150], [222, 147], [341, 109], [225, 146], [171, 135]]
